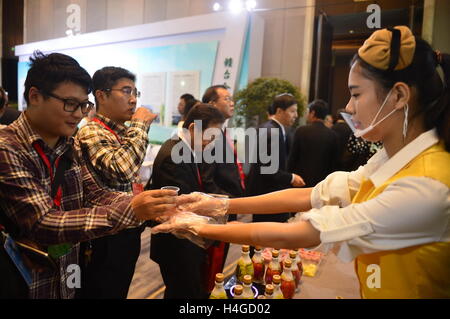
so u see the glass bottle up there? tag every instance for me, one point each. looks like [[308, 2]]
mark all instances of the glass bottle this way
[[298, 260], [269, 291], [218, 292], [258, 266], [277, 293], [287, 280], [238, 289], [294, 268], [244, 264], [248, 291], [274, 267]]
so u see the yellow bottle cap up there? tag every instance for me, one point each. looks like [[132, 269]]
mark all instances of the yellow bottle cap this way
[[238, 289], [245, 248], [287, 263], [275, 253], [220, 277], [247, 279], [276, 279], [269, 289]]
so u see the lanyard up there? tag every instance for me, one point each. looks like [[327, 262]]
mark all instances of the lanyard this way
[[58, 196], [238, 163], [107, 127], [199, 179]]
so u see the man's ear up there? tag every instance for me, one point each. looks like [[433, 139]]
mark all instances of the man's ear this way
[[34, 95], [401, 93], [101, 96]]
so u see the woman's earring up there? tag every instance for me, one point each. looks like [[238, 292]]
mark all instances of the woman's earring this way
[[405, 122]]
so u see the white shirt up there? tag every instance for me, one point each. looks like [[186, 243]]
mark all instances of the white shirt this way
[[411, 211]]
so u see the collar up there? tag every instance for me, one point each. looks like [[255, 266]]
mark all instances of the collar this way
[[281, 125], [118, 128], [380, 167], [26, 132]]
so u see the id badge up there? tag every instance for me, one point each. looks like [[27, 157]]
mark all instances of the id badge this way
[[14, 254]]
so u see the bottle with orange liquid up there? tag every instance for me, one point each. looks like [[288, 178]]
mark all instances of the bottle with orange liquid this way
[[274, 267], [287, 280], [294, 268], [258, 266]]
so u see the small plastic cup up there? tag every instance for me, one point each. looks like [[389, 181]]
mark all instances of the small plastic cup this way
[[171, 188]]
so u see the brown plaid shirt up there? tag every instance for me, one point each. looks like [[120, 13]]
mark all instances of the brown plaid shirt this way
[[87, 211], [114, 163]]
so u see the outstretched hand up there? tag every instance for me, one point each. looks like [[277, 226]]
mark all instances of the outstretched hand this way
[[203, 204]]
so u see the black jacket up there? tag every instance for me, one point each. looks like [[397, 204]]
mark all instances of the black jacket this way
[[167, 250], [258, 183], [223, 178], [314, 153]]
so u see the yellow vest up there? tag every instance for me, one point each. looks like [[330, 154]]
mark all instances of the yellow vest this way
[[421, 271]]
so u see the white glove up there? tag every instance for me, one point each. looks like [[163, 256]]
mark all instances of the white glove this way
[[185, 225], [203, 204], [185, 221]]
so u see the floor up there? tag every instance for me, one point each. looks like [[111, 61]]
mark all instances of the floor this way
[[334, 278]]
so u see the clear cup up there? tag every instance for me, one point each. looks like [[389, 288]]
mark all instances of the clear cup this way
[[171, 188]]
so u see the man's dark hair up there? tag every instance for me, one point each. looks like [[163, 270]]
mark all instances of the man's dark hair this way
[[189, 105], [211, 93], [187, 97], [209, 115], [48, 71], [3, 98], [320, 108], [107, 77], [282, 101]]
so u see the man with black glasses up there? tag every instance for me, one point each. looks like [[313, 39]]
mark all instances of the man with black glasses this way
[[49, 201], [114, 153]]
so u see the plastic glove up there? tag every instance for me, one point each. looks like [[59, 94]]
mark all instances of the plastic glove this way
[[185, 225], [203, 204]]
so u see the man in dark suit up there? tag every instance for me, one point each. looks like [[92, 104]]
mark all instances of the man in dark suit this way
[[227, 174], [314, 152], [260, 179], [182, 263]]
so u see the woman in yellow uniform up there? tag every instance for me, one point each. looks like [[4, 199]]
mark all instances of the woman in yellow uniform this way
[[392, 214]]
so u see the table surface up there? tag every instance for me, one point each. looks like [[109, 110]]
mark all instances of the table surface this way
[[333, 278]]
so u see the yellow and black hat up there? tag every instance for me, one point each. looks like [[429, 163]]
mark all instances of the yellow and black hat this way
[[390, 49]]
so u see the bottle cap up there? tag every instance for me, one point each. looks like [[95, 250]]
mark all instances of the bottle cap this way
[[287, 263], [219, 277], [275, 253], [258, 247], [269, 289], [261, 297], [276, 279], [245, 248], [238, 289], [292, 254], [247, 279]]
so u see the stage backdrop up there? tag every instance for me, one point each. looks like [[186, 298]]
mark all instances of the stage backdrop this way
[[169, 58]]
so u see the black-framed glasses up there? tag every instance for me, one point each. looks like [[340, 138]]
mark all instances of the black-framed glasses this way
[[71, 105], [127, 90]]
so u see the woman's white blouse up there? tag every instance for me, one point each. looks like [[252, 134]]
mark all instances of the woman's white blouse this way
[[411, 211]]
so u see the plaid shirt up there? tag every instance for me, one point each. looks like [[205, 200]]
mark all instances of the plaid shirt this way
[[114, 163], [87, 211]]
